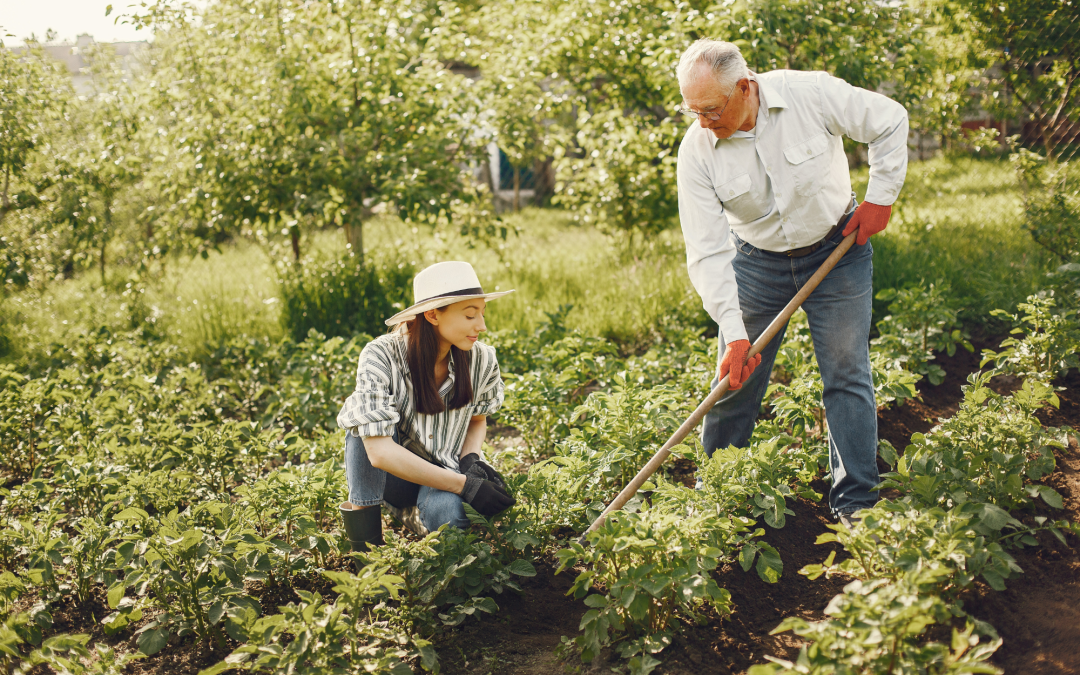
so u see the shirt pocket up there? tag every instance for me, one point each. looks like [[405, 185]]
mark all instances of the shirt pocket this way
[[809, 164], [734, 188]]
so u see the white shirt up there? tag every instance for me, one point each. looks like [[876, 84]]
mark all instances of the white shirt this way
[[785, 183]]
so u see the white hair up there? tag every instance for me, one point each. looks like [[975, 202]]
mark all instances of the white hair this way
[[723, 58]]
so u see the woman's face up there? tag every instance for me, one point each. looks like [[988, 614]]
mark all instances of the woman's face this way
[[461, 323]]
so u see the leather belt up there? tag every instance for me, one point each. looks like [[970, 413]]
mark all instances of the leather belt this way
[[807, 250]]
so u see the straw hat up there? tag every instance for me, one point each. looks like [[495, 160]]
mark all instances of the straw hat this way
[[440, 285]]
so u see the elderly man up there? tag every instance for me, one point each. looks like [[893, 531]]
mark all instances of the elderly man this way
[[764, 198]]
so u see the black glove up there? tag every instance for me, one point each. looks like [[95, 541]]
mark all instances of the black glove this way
[[473, 459], [487, 497]]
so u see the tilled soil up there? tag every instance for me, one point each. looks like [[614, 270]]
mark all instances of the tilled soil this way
[[1038, 615]]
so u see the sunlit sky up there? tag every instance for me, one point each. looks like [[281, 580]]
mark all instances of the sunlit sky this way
[[68, 18]]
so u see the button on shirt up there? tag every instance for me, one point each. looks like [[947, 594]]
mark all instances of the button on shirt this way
[[785, 183], [383, 400]]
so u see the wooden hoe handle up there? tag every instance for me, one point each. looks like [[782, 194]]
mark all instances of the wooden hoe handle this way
[[721, 388]]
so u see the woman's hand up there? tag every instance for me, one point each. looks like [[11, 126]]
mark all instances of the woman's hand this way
[[472, 459], [486, 496]]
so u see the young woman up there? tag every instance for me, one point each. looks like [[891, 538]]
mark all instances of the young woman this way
[[416, 421]]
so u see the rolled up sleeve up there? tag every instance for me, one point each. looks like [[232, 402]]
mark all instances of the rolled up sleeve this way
[[491, 392], [879, 121], [709, 251], [370, 410]]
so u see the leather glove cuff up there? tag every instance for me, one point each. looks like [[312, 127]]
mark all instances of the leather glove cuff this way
[[474, 478]]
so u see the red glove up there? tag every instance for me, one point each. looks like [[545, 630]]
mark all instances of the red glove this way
[[870, 219], [736, 354]]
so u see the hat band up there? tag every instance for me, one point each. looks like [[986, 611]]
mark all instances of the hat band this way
[[465, 291]]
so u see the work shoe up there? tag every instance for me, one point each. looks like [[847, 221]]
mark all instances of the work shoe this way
[[363, 527], [849, 520], [409, 517]]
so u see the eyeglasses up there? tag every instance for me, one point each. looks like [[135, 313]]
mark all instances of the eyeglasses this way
[[710, 115]]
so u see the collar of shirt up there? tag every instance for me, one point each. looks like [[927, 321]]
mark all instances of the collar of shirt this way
[[768, 98]]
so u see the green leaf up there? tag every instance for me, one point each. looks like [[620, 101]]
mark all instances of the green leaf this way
[[522, 568], [769, 565], [746, 556], [116, 594], [1051, 496], [153, 641], [596, 600]]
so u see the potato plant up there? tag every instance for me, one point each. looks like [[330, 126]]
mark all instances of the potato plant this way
[[878, 627], [1050, 341], [921, 321], [649, 570], [989, 452]]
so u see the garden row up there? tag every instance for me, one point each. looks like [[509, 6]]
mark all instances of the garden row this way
[[181, 496]]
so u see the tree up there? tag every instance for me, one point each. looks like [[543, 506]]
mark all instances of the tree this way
[[95, 156], [32, 88], [1034, 42], [288, 110], [617, 164]]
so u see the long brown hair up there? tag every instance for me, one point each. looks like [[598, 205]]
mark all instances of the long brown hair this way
[[423, 350]]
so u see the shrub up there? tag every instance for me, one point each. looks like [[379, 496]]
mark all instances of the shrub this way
[[342, 297]]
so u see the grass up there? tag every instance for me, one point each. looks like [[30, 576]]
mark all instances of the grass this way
[[958, 221]]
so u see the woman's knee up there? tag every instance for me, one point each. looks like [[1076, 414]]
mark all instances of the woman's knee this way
[[438, 508]]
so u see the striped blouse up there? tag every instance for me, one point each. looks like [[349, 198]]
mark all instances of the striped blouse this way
[[383, 400]]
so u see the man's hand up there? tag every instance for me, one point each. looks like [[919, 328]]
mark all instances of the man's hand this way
[[870, 219], [735, 362]]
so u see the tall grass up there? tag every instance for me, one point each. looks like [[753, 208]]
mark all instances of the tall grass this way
[[959, 220]]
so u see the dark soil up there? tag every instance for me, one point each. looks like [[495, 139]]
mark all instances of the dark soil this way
[[1038, 616]]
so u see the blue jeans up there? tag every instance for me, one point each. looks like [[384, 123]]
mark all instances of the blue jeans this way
[[839, 313], [369, 486]]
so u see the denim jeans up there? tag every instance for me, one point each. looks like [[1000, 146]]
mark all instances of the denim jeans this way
[[369, 486], [839, 313]]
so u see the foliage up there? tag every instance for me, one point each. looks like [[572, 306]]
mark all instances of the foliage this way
[[1051, 204], [316, 636], [342, 297], [983, 454], [327, 109], [876, 626], [895, 539], [652, 570], [921, 321], [316, 378], [444, 576], [1050, 344], [541, 402], [1031, 42]]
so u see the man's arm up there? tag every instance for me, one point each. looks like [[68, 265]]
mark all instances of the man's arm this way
[[868, 117], [709, 251]]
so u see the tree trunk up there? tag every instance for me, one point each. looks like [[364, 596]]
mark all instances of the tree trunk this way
[[294, 238], [517, 189], [4, 199], [354, 236], [105, 237]]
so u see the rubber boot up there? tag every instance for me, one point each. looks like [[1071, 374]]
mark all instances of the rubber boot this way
[[363, 527]]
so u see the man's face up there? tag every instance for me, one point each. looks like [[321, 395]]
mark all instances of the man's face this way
[[702, 93]]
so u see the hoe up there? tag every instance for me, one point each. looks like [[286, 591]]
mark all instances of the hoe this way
[[721, 388]]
